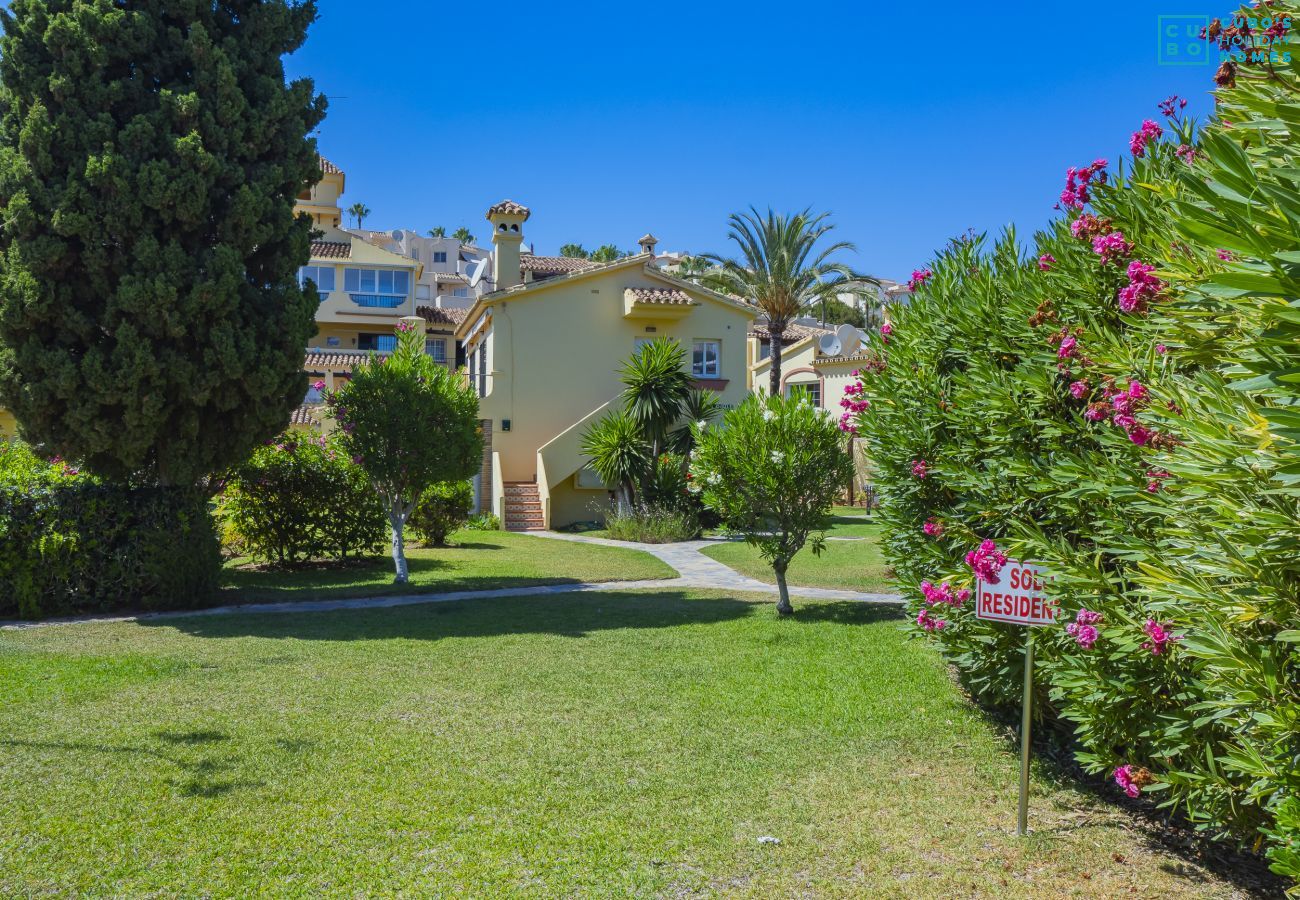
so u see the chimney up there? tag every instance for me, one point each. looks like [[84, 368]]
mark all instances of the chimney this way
[[507, 218], [647, 242]]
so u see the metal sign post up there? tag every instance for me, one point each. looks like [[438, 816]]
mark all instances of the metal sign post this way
[[1018, 599], [1022, 818]]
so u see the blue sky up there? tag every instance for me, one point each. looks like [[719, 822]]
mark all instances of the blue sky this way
[[609, 120]]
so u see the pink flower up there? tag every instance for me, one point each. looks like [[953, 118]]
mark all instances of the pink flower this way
[[404, 327], [318, 385], [1161, 349], [1149, 132], [1096, 411], [1111, 247], [1155, 478], [1046, 261], [1088, 617], [885, 331], [943, 595], [1186, 154], [1075, 194], [358, 459], [933, 528], [919, 468], [1137, 392], [928, 622], [1142, 287], [1084, 628], [919, 277], [1226, 255], [1066, 350], [1124, 778], [986, 561], [1160, 638], [1079, 389], [1140, 435], [1167, 105]]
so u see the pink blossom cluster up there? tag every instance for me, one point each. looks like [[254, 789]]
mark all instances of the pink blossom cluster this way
[[1084, 628], [919, 277], [1075, 194], [1225, 255], [1154, 479], [1171, 102], [1149, 132], [933, 528], [853, 404], [986, 561], [1111, 247], [1124, 778], [919, 468], [929, 622], [1079, 389], [1046, 261], [943, 595], [1142, 288], [1187, 154], [65, 469], [1124, 405], [1159, 637], [1067, 349], [404, 327], [885, 331], [1088, 226]]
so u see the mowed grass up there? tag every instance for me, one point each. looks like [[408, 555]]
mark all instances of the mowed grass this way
[[855, 564], [476, 560], [595, 745]]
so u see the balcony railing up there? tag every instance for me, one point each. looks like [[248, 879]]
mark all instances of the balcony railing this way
[[378, 301]]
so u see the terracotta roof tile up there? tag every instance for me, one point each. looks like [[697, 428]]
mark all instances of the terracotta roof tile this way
[[450, 278], [509, 208], [792, 333], [328, 167], [330, 250], [306, 415], [334, 360], [442, 315], [660, 296], [553, 264]]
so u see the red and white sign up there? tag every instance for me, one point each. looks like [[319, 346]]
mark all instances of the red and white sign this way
[[1017, 597]]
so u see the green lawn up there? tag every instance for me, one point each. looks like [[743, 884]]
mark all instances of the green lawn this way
[[855, 565], [615, 744], [477, 560]]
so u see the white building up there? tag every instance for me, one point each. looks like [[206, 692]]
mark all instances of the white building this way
[[449, 266]]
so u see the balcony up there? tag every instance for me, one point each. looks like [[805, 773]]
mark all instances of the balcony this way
[[378, 301]]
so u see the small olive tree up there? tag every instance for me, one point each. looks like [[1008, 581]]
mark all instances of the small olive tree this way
[[409, 423], [771, 472]]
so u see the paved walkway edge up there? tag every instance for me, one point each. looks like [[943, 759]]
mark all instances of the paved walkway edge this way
[[695, 571]]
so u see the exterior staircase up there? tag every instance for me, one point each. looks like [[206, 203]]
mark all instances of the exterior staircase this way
[[523, 507]]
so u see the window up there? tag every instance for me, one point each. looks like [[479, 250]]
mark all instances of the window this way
[[321, 276], [764, 350], [460, 292], [388, 282], [482, 369], [808, 390], [313, 395], [440, 256], [704, 359], [436, 349], [380, 343]]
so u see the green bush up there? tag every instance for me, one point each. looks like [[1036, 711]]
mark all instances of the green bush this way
[[442, 509], [483, 522], [300, 498], [1134, 430], [70, 544], [648, 524]]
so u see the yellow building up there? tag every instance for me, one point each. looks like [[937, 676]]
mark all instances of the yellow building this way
[[544, 348], [816, 361]]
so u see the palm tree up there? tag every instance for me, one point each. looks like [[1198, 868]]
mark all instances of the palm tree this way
[[462, 234], [437, 231], [619, 453], [574, 251], [782, 271], [359, 211], [656, 388]]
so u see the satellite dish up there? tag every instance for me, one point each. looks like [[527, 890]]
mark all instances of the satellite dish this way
[[829, 344], [847, 336], [397, 235], [476, 272]]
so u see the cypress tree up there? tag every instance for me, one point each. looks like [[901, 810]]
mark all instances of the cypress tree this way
[[151, 323]]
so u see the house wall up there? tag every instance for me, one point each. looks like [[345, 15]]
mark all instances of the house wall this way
[[555, 355], [8, 425]]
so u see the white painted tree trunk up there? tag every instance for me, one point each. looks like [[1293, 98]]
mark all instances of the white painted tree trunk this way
[[397, 520], [783, 607]]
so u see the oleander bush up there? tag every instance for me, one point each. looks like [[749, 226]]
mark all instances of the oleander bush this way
[[442, 509], [1120, 405], [301, 498], [70, 543]]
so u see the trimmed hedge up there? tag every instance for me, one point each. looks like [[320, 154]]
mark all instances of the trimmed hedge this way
[[1119, 404], [78, 546], [442, 509]]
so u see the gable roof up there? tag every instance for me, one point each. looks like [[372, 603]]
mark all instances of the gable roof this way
[[330, 250], [442, 315], [553, 264], [660, 296]]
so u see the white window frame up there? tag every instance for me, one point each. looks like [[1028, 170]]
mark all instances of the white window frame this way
[[438, 343], [370, 281], [439, 256], [315, 274], [792, 388], [701, 369]]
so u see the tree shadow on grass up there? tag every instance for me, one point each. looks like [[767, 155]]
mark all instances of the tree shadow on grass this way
[[572, 615], [845, 612], [204, 776]]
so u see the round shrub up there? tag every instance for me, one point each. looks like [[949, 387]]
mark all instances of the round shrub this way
[[300, 498], [443, 508]]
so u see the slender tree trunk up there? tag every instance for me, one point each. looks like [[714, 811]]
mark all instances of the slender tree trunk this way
[[783, 607], [774, 385], [398, 522]]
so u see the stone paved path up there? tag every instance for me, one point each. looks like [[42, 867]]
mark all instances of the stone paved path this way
[[695, 570]]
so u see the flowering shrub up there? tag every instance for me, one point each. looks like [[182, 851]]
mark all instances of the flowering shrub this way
[[1126, 416], [300, 498]]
